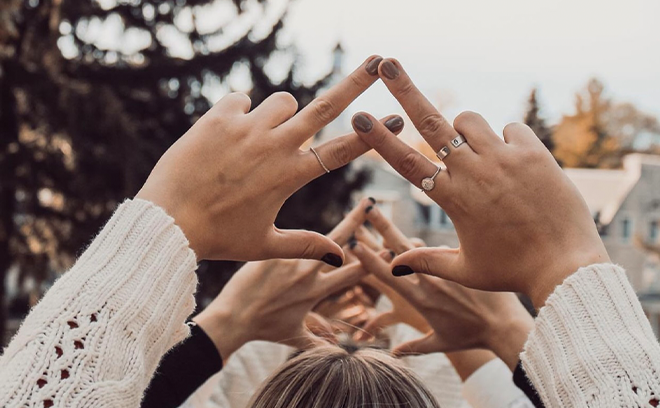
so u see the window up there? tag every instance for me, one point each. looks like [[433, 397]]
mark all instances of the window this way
[[626, 229], [653, 231]]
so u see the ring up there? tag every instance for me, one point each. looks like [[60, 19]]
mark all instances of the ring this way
[[442, 153], [319, 159], [457, 141], [429, 183]]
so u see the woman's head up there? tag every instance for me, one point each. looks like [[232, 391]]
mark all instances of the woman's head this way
[[333, 377]]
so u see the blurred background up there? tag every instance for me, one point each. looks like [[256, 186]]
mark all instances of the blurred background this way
[[92, 92]]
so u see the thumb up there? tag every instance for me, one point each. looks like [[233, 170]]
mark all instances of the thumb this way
[[288, 244], [375, 325], [444, 263], [431, 343]]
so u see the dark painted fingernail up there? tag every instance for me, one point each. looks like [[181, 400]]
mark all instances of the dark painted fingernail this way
[[366, 210], [372, 66], [373, 200], [352, 243], [392, 254], [402, 270], [394, 124], [332, 260], [390, 70], [362, 123]]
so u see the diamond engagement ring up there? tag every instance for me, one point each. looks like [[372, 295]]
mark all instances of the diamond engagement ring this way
[[429, 183]]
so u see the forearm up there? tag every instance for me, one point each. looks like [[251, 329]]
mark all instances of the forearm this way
[[508, 337], [592, 344], [467, 362], [98, 334]]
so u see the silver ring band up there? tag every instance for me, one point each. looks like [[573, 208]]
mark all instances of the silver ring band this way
[[442, 153], [319, 159], [457, 141], [428, 183]]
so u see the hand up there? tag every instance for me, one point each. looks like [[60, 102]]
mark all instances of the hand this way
[[522, 225], [270, 300], [225, 180]]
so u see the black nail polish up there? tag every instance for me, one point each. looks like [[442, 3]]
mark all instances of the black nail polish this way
[[332, 260], [352, 243], [372, 66], [362, 123], [390, 70], [392, 254], [366, 210], [402, 270], [373, 200], [394, 124]]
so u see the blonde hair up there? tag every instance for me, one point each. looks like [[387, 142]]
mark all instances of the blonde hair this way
[[332, 377]]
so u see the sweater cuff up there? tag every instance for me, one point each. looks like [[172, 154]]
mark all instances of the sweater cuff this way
[[592, 345]]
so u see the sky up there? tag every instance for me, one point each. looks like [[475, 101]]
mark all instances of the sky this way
[[486, 55]]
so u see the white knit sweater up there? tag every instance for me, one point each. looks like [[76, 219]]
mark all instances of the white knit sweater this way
[[96, 338]]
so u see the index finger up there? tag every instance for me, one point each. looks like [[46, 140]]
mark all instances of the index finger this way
[[394, 238], [327, 107], [433, 127], [346, 228]]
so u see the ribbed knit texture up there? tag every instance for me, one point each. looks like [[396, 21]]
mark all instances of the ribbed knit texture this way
[[96, 337], [592, 345]]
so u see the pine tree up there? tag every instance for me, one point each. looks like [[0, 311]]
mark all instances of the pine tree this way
[[536, 122], [83, 123]]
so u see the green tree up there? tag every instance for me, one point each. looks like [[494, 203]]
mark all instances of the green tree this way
[[536, 122], [84, 116]]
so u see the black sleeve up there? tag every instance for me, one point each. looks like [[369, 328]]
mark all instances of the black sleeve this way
[[522, 382], [183, 369]]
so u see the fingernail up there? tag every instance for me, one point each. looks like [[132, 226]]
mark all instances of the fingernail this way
[[392, 254], [390, 70], [352, 243], [362, 123], [394, 124], [366, 210], [332, 260], [373, 200], [402, 270], [372, 66]]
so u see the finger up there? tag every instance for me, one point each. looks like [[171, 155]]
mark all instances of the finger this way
[[276, 109], [342, 278], [519, 134], [407, 161], [235, 102], [376, 325], [418, 242], [433, 127], [394, 238], [365, 236], [430, 343], [377, 266], [444, 263], [320, 327], [327, 107], [346, 227], [342, 150], [478, 133], [301, 244]]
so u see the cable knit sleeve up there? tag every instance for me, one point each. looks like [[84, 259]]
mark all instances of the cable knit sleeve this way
[[592, 345], [96, 337]]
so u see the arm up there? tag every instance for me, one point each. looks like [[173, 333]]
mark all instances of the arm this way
[[100, 331], [592, 344]]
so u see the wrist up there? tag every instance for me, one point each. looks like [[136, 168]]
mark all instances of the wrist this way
[[507, 338], [223, 331]]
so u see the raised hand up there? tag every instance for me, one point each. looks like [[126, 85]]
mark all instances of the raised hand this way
[[522, 225], [271, 300], [226, 179]]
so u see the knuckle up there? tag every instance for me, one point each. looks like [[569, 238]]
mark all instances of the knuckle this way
[[376, 138], [406, 88], [431, 124], [465, 118], [341, 153], [358, 80], [324, 110], [409, 165]]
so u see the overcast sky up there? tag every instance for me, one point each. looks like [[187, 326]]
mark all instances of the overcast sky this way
[[486, 55]]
